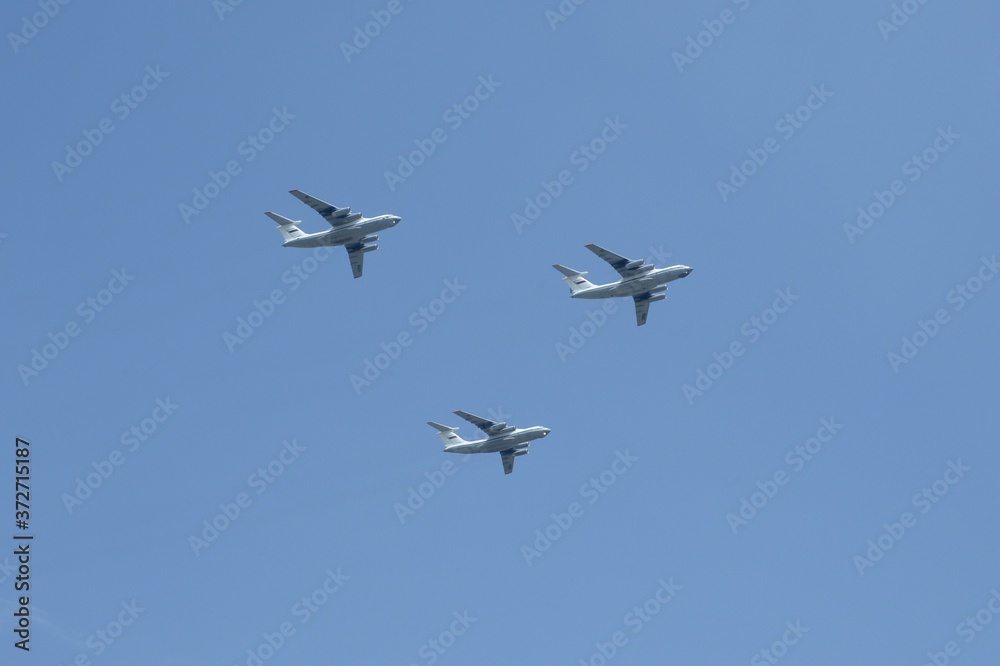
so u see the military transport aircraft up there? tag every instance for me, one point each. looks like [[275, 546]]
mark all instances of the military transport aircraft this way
[[352, 230], [501, 438], [644, 283]]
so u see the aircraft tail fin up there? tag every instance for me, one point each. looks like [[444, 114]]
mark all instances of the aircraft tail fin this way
[[286, 227], [574, 279], [447, 434]]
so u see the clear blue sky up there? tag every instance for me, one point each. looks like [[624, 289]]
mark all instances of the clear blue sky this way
[[101, 256]]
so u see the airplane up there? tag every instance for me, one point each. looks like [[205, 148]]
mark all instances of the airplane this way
[[643, 282], [352, 230], [501, 438]]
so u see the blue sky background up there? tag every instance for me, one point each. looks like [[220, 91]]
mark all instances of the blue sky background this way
[[494, 350]]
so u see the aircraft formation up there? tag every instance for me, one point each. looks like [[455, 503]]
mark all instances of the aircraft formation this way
[[643, 282]]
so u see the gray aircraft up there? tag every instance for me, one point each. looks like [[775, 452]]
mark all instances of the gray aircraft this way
[[352, 230], [501, 438], [642, 281]]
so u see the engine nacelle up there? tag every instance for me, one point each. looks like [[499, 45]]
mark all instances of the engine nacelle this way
[[633, 265], [521, 452], [353, 217], [369, 239], [662, 289], [657, 297], [368, 248]]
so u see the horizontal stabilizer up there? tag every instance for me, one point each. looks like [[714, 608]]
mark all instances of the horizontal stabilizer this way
[[286, 227], [447, 434], [281, 219], [574, 279], [568, 272]]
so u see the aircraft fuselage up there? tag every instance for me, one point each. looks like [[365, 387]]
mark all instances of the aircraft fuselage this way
[[519, 437], [639, 284], [346, 234]]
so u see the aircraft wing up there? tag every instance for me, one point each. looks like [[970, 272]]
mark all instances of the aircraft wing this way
[[641, 308], [617, 261], [508, 460], [483, 424], [332, 214], [356, 254]]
